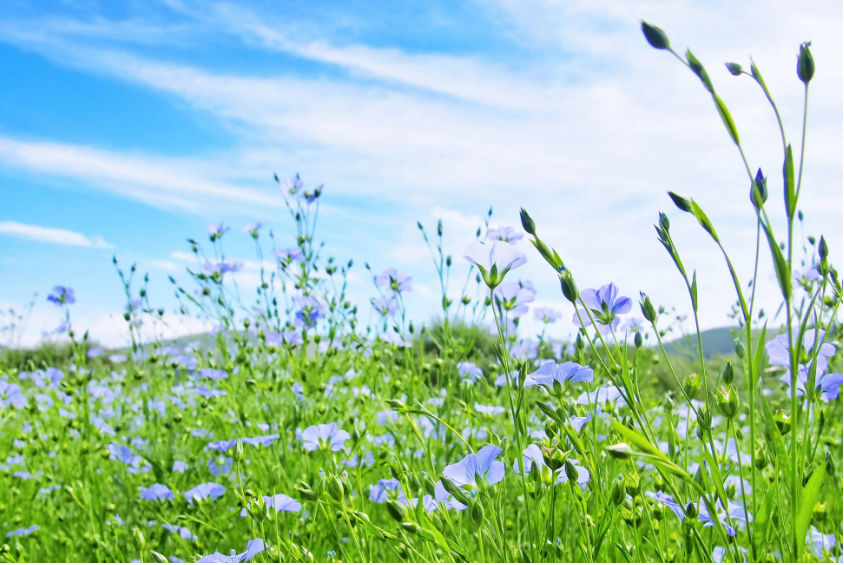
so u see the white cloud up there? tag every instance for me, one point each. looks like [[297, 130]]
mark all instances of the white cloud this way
[[587, 132], [52, 235]]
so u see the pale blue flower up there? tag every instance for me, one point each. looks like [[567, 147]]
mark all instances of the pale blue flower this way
[[183, 532], [220, 467], [553, 377], [23, 532], [61, 295], [217, 229], [204, 491], [512, 299], [380, 491], [505, 233], [473, 468], [277, 503], [547, 315], [668, 500], [494, 261], [324, 436], [489, 410], [394, 281], [213, 374], [605, 305], [469, 371], [253, 548], [289, 255], [158, 492]]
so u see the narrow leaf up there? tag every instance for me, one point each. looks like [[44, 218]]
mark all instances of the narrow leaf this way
[[788, 180], [703, 220], [783, 274], [760, 353], [807, 502], [763, 519], [726, 118], [772, 434], [694, 290]]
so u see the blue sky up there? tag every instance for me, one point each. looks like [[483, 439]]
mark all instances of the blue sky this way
[[126, 127]]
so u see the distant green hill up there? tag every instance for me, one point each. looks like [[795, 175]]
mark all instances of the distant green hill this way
[[716, 342]]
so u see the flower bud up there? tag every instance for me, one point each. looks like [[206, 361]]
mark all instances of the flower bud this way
[[691, 384], [477, 514], [731, 490], [335, 488], [647, 307], [682, 203], [305, 491], [570, 290], [805, 63], [655, 36], [782, 421], [819, 512], [727, 373], [704, 420], [571, 472], [410, 527], [734, 68], [761, 186], [727, 401], [632, 485], [760, 460], [140, 541], [527, 222], [620, 451], [637, 340], [158, 557], [830, 465], [618, 493], [740, 351], [397, 511], [454, 490], [823, 249]]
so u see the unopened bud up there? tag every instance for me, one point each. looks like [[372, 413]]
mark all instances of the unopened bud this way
[[620, 451], [569, 287], [727, 373], [805, 63], [734, 68], [683, 204], [727, 401], [527, 222], [655, 36], [648, 310]]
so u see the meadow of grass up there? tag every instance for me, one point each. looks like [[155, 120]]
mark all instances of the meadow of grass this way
[[296, 431]]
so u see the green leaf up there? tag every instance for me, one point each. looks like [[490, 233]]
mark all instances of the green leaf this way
[[697, 68], [763, 519], [694, 290], [703, 220], [807, 501], [783, 274], [788, 180], [636, 439], [772, 434], [715, 473], [760, 353], [726, 118]]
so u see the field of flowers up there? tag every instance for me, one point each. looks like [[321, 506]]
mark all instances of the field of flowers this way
[[297, 432]]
